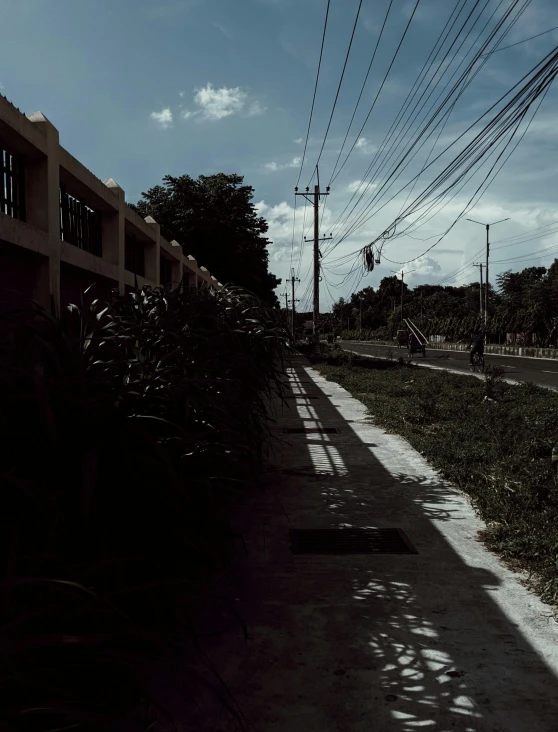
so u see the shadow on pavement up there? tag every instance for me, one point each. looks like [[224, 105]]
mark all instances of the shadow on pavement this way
[[372, 642]]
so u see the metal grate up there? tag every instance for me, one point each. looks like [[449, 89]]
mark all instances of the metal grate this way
[[306, 430], [79, 224], [350, 541], [12, 185]]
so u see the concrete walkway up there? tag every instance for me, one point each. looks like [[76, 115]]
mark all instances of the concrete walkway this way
[[443, 640]]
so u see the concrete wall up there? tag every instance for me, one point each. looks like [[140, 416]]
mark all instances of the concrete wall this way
[[34, 257]]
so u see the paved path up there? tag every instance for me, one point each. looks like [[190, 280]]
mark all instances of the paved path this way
[[539, 371], [443, 640]]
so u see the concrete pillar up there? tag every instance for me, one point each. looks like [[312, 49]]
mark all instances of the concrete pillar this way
[[152, 252], [177, 264], [43, 206], [192, 268], [114, 233]]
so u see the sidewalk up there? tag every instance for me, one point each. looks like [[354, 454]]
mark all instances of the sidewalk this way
[[445, 639]]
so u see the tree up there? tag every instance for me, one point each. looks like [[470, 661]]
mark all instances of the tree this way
[[215, 221]]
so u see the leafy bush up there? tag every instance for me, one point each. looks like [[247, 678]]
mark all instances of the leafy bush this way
[[129, 431]]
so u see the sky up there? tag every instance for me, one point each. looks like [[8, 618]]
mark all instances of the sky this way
[[139, 89]]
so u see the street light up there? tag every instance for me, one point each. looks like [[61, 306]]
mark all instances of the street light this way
[[487, 226], [402, 276]]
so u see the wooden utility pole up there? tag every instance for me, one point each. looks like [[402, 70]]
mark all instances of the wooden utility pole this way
[[316, 203], [292, 280], [360, 334], [402, 276]]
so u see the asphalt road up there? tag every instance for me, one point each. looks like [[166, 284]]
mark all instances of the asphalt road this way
[[536, 370]]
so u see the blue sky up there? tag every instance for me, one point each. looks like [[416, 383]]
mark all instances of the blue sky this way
[[138, 90]]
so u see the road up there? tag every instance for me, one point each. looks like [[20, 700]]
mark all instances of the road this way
[[539, 371]]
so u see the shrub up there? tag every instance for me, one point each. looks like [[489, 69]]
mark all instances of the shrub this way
[[129, 430]]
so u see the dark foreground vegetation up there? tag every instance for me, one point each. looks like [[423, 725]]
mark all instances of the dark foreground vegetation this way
[[129, 431], [492, 439]]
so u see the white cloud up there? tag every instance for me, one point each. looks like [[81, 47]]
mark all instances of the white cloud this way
[[255, 109], [215, 104], [424, 266], [361, 186], [225, 31], [181, 94], [294, 163], [163, 118], [186, 114], [299, 141], [365, 146]]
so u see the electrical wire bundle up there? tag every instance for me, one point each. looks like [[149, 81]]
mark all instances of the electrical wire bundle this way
[[498, 133], [461, 50]]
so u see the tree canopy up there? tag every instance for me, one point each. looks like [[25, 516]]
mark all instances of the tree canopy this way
[[523, 302], [215, 221]]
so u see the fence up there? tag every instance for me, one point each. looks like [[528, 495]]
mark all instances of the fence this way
[[12, 185]]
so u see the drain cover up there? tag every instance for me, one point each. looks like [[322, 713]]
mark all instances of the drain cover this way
[[350, 541], [306, 430]]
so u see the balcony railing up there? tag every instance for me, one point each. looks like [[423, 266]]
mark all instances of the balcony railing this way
[[12, 185], [79, 224]]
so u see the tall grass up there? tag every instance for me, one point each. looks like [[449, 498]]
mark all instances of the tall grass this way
[[128, 432]]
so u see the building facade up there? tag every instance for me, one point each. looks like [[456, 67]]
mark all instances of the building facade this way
[[62, 230]]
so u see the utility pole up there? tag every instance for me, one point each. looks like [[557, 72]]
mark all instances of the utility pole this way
[[292, 280], [480, 265], [286, 303], [487, 226], [421, 303], [402, 276], [360, 333], [316, 203]]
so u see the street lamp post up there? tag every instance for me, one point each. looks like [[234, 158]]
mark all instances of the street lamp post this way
[[487, 226]]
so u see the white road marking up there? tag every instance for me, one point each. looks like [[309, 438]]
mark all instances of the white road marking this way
[[550, 372]]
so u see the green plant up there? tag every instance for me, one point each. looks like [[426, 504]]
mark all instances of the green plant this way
[[493, 380], [129, 431]]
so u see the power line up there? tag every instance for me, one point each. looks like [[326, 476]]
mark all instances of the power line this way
[[340, 83], [468, 205], [314, 96], [524, 40], [523, 99], [410, 96], [361, 91], [462, 80], [379, 90]]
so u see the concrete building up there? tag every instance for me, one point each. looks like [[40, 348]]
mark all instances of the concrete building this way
[[62, 229]]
